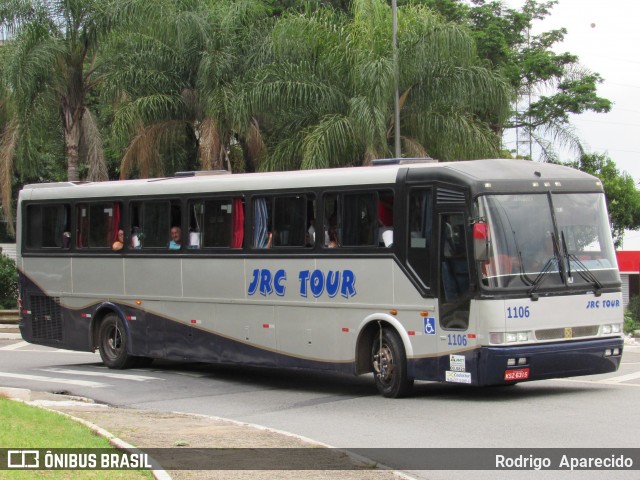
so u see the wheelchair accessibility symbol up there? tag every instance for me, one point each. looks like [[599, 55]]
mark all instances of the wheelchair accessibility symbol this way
[[430, 326]]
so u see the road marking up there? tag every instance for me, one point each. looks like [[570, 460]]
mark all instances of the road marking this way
[[13, 346], [595, 382], [621, 378], [17, 347], [121, 376], [36, 378]]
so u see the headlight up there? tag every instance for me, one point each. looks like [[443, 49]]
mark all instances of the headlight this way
[[497, 338], [611, 328]]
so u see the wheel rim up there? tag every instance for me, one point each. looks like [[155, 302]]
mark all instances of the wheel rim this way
[[113, 342], [383, 364]]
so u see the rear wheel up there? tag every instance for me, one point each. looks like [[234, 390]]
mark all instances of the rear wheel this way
[[112, 343], [390, 365]]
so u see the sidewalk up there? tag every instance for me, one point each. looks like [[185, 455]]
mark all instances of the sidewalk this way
[[154, 429]]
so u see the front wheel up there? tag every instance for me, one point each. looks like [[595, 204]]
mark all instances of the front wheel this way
[[112, 343], [390, 365]]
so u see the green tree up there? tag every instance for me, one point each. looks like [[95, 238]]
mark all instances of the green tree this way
[[51, 64], [326, 96], [49, 68], [549, 86], [184, 101], [623, 199], [8, 283]]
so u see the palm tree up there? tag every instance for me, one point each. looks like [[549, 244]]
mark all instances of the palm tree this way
[[51, 64], [326, 97], [193, 53]]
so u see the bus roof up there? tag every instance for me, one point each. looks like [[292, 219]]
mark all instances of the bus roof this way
[[470, 172]]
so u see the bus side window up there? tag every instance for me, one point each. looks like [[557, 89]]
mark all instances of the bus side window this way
[[280, 221], [420, 230], [385, 219], [196, 224], [262, 237], [290, 221], [98, 224], [48, 226], [359, 219], [330, 221], [218, 223], [153, 221]]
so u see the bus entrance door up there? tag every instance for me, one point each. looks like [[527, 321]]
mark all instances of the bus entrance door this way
[[454, 278], [454, 300]]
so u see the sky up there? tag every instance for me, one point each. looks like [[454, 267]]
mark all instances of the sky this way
[[605, 35]]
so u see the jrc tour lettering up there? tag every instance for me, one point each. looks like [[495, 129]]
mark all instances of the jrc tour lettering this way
[[311, 282], [591, 304]]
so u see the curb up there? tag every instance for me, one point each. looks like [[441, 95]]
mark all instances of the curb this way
[[23, 395], [355, 457]]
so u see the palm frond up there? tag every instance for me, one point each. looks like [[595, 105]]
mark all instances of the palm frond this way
[[328, 144], [255, 143], [413, 148], [451, 135], [143, 152], [146, 110]]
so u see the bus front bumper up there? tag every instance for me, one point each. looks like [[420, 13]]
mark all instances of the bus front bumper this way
[[507, 365]]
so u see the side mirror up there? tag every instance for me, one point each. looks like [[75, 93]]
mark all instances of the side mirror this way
[[481, 241]]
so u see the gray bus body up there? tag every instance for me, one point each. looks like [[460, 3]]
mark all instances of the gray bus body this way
[[421, 271]]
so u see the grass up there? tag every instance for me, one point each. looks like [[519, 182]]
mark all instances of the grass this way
[[25, 426]]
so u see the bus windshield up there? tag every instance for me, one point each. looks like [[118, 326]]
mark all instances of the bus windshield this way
[[538, 241]]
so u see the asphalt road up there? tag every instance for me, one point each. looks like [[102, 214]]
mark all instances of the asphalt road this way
[[583, 412]]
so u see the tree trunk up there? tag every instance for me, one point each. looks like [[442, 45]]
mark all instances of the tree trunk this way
[[71, 122]]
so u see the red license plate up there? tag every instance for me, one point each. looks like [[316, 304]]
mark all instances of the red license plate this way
[[520, 374]]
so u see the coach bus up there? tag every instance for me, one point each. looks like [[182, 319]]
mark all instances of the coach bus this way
[[486, 272]]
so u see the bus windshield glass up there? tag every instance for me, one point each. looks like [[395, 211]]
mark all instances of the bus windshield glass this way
[[539, 241]]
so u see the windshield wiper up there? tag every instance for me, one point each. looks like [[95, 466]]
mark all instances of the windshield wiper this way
[[547, 266], [523, 276], [586, 274], [538, 280]]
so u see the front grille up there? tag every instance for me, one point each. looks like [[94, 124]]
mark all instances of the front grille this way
[[46, 317], [559, 333]]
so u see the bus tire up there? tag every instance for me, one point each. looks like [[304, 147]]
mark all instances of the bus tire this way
[[389, 363], [112, 343]]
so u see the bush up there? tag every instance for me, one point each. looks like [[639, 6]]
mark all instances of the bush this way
[[632, 315], [8, 284]]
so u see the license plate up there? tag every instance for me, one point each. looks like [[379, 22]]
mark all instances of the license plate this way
[[520, 374]]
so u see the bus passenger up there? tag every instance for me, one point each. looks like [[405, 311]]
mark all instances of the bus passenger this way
[[136, 236], [119, 243], [332, 237], [176, 239]]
